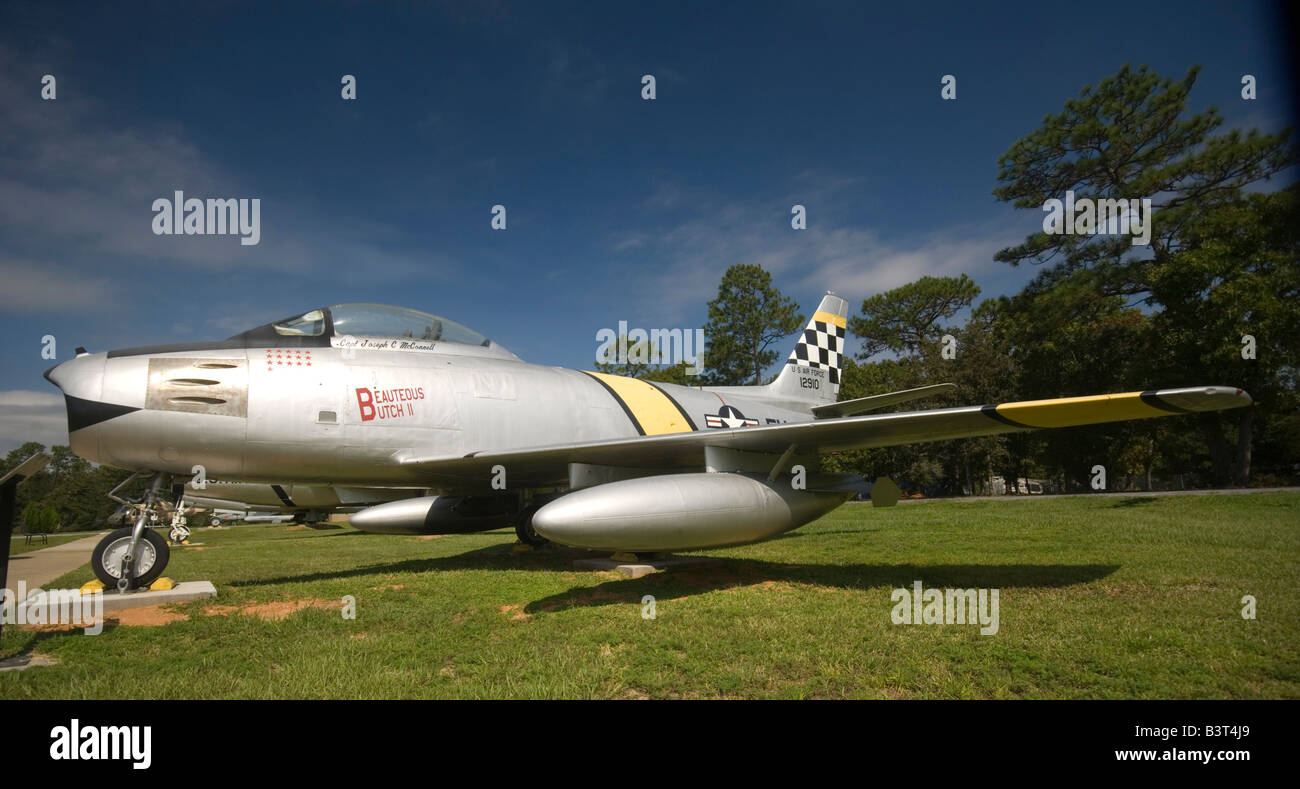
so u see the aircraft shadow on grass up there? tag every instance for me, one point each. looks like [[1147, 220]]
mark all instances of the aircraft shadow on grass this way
[[1136, 501], [726, 574]]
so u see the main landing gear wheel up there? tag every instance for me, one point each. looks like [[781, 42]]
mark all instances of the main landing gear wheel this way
[[151, 556], [524, 527]]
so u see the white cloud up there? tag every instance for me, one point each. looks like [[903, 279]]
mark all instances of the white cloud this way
[[27, 398], [854, 261], [29, 286], [31, 416], [78, 188]]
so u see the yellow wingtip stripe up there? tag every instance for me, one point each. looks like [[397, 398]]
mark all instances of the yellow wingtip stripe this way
[[1071, 411]]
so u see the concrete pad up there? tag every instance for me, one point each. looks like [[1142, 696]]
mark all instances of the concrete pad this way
[[642, 568], [116, 601], [180, 593]]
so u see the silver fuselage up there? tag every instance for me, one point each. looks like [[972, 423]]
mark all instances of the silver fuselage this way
[[350, 416]]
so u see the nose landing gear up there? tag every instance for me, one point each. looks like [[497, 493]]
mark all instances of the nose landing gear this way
[[135, 556]]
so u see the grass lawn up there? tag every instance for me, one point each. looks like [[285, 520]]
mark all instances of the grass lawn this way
[[1100, 597], [19, 542]]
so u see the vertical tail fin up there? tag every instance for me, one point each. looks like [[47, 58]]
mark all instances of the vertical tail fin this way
[[812, 373]]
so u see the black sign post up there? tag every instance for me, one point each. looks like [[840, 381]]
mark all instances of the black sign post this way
[[8, 496]]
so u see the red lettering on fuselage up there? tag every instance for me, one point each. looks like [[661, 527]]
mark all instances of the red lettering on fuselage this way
[[365, 401], [387, 403]]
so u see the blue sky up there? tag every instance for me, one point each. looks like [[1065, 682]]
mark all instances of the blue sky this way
[[617, 208]]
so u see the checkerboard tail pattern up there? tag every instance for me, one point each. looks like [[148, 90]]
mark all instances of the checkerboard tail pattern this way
[[821, 346]]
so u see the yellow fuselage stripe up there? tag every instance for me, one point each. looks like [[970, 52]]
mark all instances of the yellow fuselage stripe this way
[[1070, 411], [650, 407], [826, 317]]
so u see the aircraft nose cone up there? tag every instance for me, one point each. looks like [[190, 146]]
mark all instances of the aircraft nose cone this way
[[80, 377], [82, 382]]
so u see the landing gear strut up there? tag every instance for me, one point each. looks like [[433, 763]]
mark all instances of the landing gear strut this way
[[134, 556], [180, 532]]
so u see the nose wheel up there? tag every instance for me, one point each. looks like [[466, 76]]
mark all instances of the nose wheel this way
[[109, 559], [133, 557]]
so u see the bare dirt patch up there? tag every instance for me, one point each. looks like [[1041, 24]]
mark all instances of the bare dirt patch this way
[[516, 612], [281, 609], [274, 611], [146, 616]]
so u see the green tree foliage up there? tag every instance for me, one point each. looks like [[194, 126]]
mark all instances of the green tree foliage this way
[[76, 489], [1128, 138], [908, 322], [679, 373], [49, 519], [635, 362], [1230, 315], [40, 518], [31, 516], [637, 365], [907, 318], [748, 315]]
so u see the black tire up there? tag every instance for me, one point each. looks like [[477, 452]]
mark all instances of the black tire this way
[[524, 527], [214, 522], [161, 555]]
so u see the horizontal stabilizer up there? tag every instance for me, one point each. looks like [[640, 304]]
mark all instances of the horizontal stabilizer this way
[[875, 402]]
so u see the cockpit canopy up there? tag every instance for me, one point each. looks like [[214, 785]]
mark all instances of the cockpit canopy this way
[[370, 321], [378, 320]]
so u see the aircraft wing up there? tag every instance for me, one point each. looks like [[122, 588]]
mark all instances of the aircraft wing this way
[[546, 464]]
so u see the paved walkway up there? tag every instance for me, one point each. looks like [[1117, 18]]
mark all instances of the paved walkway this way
[[40, 567]]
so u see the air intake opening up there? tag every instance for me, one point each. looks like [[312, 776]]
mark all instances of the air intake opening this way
[[193, 381]]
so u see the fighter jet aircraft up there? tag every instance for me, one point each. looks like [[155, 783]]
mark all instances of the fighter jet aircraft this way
[[366, 395]]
